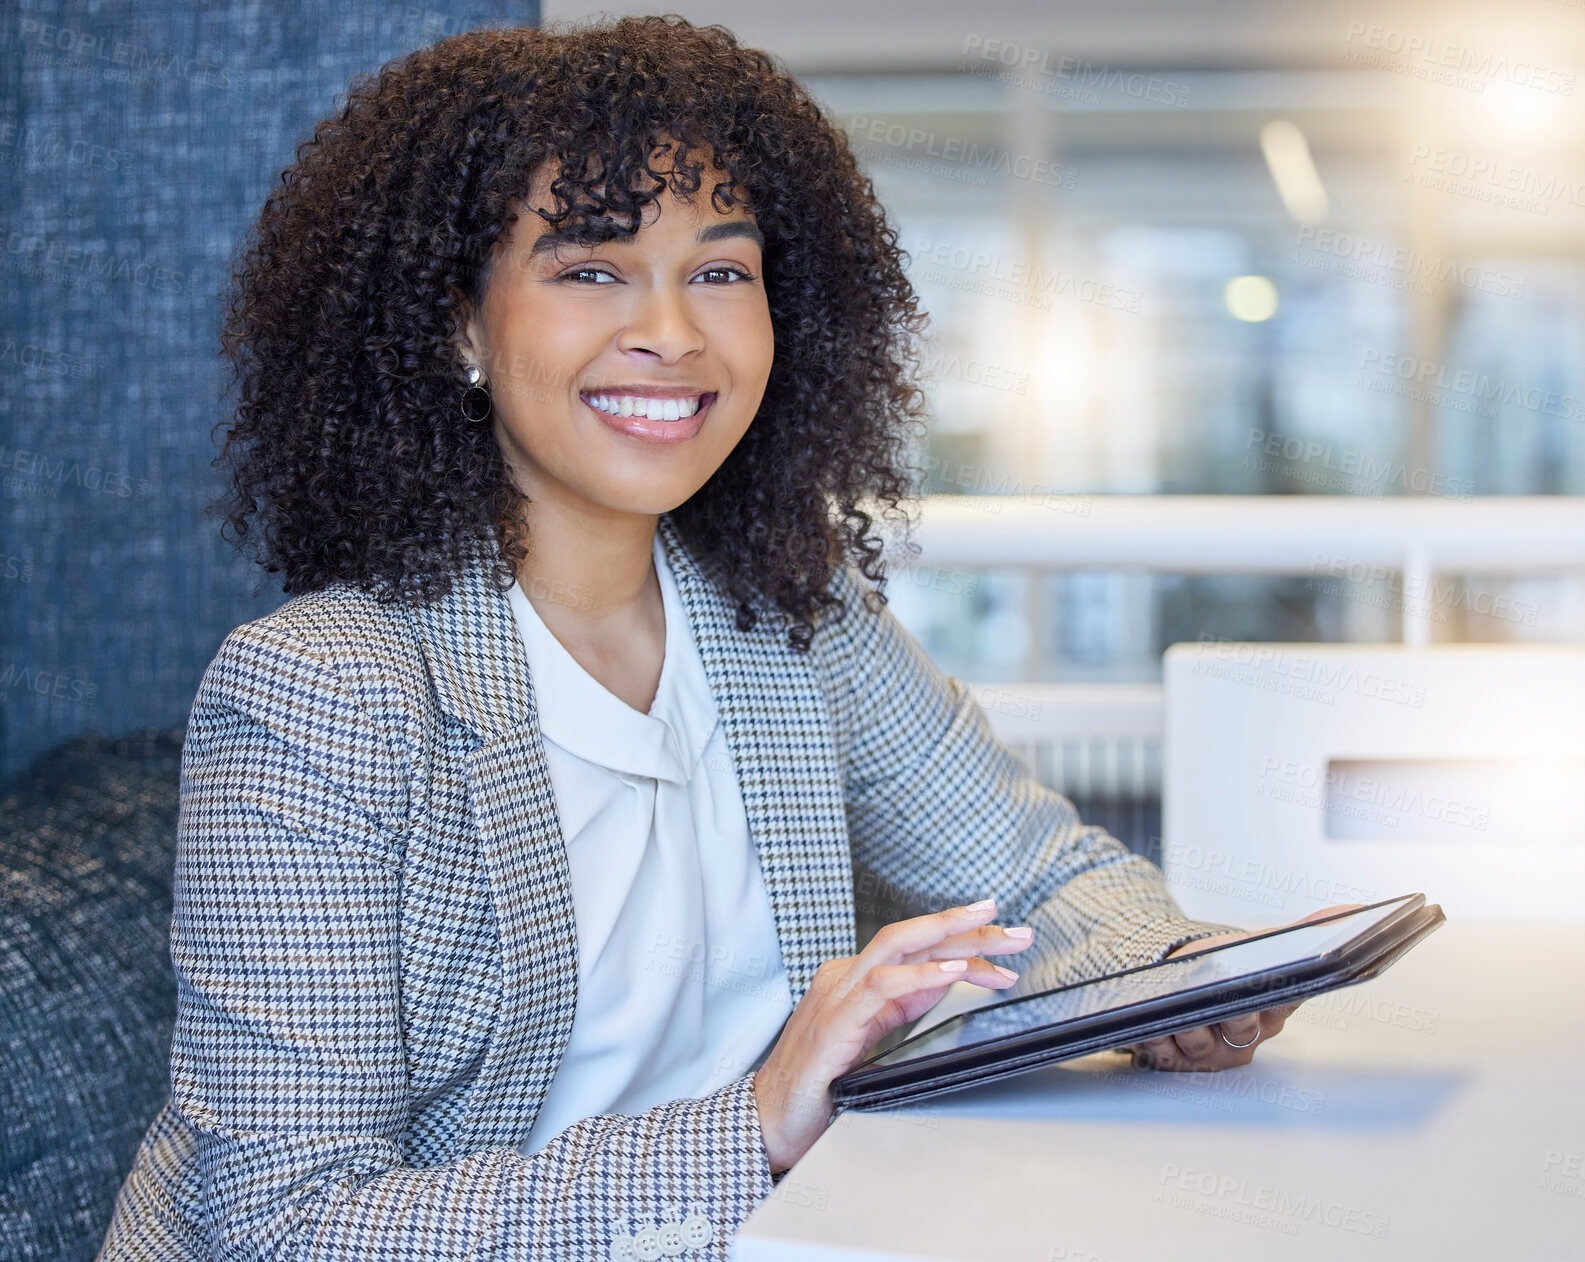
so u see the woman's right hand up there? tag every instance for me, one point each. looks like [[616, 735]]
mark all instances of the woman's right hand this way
[[853, 1001]]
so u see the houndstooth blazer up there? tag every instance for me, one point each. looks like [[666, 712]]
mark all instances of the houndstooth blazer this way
[[374, 940]]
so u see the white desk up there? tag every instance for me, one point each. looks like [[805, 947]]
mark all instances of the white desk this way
[[1437, 1111]]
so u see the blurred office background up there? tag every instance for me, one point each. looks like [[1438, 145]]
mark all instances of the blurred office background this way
[[1217, 248], [1204, 247]]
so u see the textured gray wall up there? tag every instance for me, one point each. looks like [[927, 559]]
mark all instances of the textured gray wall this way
[[137, 144]]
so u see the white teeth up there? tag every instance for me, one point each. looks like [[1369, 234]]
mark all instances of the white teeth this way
[[652, 409]]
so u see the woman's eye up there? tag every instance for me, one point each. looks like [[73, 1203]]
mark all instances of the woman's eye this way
[[726, 271], [578, 275]]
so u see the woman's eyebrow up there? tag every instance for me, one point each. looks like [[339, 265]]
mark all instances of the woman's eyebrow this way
[[553, 239], [737, 228]]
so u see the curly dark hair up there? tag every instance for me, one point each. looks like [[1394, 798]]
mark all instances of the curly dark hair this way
[[348, 442]]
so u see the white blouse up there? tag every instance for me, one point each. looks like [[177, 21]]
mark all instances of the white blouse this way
[[681, 985]]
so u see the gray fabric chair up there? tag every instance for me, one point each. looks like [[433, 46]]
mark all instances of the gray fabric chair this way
[[87, 996]]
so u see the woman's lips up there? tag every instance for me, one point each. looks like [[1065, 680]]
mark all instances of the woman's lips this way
[[644, 429]]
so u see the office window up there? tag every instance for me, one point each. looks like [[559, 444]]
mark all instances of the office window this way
[[1080, 251]]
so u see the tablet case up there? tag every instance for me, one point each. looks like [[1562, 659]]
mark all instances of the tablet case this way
[[1365, 956]]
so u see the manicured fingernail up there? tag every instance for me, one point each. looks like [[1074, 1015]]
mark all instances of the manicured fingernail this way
[[953, 966], [1006, 972], [1023, 931], [985, 904]]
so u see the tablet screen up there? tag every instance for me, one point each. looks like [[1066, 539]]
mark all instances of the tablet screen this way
[[1274, 949]]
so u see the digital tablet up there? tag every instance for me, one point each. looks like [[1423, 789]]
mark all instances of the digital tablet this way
[[1269, 968]]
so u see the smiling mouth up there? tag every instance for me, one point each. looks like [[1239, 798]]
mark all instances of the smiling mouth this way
[[648, 408]]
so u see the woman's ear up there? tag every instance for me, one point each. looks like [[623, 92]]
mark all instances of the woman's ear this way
[[465, 331]]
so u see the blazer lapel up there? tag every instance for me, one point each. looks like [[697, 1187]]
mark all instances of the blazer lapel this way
[[481, 678], [777, 730]]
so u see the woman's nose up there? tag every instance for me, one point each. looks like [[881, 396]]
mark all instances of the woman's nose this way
[[662, 321]]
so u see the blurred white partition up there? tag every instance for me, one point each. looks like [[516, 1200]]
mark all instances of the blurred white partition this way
[[1349, 535], [1301, 775]]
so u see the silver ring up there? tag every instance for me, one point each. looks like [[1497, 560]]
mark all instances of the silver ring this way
[[1230, 1042]]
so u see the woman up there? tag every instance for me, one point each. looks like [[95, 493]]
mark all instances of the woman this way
[[514, 910]]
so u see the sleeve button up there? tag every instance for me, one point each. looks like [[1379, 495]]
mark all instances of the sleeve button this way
[[646, 1245], [696, 1230], [622, 1249], [672, 1241]]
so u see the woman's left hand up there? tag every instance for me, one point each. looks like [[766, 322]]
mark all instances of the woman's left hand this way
[[1204, 1048]]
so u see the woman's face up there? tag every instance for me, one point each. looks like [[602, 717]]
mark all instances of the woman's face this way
[[595, 355]]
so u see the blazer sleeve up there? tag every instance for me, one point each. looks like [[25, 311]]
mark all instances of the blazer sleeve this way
[[944, 814], [288, 1056]]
